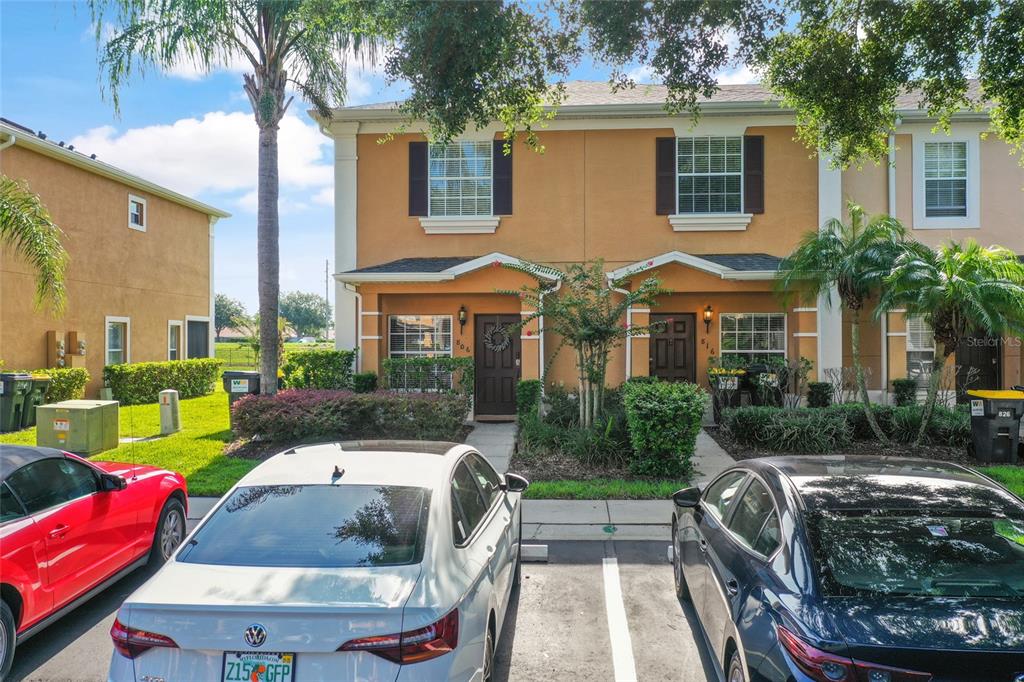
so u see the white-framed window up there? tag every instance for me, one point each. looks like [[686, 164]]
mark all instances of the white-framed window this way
[[945, 179], [752, 336], [118, 340], [420, 336], [920, 349], [137, 213], [460, 179], [174, 339], [709, 174]]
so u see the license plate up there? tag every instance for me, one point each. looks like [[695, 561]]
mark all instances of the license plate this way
[[251, 666]]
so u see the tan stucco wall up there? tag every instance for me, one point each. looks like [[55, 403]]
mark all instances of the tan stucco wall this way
[[152, 277], [868, 186]]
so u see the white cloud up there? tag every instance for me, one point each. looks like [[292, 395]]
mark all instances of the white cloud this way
[[215, 153], [742, 74], [642, 74], [324, 197]]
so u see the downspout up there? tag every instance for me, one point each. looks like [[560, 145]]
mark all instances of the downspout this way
[[891, 177], [629, 323], [359, 326], [10, 141]]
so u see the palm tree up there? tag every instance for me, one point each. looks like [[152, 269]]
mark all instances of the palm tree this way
[[27, 228], [288, 44], [853, 259], [958, 290]]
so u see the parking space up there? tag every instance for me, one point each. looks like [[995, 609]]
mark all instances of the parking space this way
[[558, 629]]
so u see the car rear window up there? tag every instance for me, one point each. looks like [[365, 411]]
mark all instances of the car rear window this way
[[959, 553], [318, 526]]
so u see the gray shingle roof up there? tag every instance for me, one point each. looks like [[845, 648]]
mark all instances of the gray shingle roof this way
[[403, 265], [756, 262]]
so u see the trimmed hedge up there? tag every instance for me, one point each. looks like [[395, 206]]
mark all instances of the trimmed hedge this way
[[819, 394], [66, 383], [429, 374], [947, 427], [310, 414], [802, 430], [364, 382], [321, 368], [664, 419], [905, 391], [528, 393], [141, 382]]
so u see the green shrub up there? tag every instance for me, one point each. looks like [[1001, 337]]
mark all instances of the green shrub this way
[[141, 382], [66, 383], [364, 382], [947, 427], [528, 397], [819, 394], [854, 414], [905, 391], [446, 374], [310, 414], [782, 430], [605, 443], [563, 407], [664, 419], [325, 369]]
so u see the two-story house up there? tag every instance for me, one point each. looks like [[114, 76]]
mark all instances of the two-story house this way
[[140, 274], [710, 208]]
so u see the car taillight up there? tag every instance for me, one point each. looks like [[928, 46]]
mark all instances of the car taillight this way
[[825, 667], [130, 642], [413, 646]]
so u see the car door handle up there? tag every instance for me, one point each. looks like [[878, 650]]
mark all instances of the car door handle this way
[[733, 587], [703, 545], [60, 531]]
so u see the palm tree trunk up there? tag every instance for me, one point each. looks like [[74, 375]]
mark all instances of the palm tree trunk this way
[[934, 381], [862, 387], [268, 257]]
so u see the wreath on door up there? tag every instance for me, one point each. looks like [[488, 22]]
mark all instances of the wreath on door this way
[[497, 340]]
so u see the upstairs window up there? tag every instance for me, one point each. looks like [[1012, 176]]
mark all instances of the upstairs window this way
[[945, 179], [710, 174], [136, 213], [460, 179]]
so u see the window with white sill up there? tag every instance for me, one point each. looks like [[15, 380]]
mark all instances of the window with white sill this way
[[420, 336], [137, 213], [710, 174], [755, 337], [460, 179], [945, 179], [920, 349]]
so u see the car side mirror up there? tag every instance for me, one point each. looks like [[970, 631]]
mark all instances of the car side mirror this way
[[514, 483], [687, 497], [110, 482]]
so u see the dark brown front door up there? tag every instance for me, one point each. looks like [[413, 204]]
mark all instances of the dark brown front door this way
[[497, 353], [982, 354], [673, 348]]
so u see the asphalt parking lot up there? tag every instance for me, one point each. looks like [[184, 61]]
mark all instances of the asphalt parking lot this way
[[596, 611]]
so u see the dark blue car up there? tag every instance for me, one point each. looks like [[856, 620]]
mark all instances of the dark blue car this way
[[854, 569]]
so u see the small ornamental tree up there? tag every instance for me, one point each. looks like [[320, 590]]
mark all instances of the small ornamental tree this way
[[588, 310]]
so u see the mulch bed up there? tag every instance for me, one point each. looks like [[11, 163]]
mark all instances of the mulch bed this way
[[940, 452], [558, 467]]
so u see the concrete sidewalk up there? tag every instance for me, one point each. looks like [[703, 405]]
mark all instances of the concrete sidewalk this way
[[494, 440]]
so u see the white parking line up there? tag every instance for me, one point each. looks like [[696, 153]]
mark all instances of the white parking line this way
[[618, 628]]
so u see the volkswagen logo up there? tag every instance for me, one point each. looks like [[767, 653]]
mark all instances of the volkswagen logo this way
[[255, 635]]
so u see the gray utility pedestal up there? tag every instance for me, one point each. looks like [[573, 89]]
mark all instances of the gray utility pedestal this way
[[170, 412]]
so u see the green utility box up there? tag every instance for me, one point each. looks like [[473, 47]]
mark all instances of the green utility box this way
[[14, 388], [34, 398], [83, 427], [995, 425]]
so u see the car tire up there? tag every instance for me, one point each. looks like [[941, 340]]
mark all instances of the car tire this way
[[8, 639], [170, 531], [682, 589], [489, 655], [736, 673]]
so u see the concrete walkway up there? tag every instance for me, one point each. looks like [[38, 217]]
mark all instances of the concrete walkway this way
[[709, 459], [496, 441]]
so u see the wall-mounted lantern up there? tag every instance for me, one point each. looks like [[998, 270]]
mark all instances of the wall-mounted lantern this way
[[709, 314], [462, 318]]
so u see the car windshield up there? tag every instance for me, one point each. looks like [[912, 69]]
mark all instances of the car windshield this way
[[958, 553], [320, 526]]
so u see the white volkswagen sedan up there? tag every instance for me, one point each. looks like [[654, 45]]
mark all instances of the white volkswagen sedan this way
[[343, 561]]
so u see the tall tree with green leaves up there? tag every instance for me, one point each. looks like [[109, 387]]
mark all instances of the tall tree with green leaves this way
[[853, 260], [289, 45], [225, 311], [28, 230], [959, 290], [309, 314]]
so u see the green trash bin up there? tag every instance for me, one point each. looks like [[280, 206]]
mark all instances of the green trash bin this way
[[995, 425], [238, 383], [14, 387], [34, 398]]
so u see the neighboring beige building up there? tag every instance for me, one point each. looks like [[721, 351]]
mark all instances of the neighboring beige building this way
[[140, 277], [710, 208]]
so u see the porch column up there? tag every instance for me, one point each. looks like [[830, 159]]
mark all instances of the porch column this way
[[371, 333], [639, 360], [830, 315], [345, 160]]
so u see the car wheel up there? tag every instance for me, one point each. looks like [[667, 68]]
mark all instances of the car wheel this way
[[682, 590], [170, 531], [736, 673], [489, 655], [8, 639]]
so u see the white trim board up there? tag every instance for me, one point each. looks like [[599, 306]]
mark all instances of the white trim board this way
[[127, 337], [692, 261], [180, 324], [445, 275]]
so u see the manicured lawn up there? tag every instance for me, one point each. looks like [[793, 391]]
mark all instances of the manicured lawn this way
[[240, 355], [1010, 476], [195, 451], [602, 489]]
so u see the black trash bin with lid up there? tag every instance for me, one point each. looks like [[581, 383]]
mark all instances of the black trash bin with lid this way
[[238, 383], [14, 389], [35, 397], [995, 425]]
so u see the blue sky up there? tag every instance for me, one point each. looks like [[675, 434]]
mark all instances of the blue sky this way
[[189, 131]]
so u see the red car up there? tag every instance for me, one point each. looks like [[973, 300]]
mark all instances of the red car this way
[[70, 527]]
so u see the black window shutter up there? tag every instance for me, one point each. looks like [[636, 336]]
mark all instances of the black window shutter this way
[[501, 166], [753, 173], [665, 175], [418, 179]]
